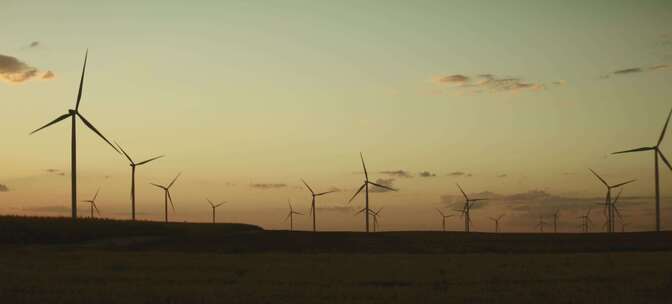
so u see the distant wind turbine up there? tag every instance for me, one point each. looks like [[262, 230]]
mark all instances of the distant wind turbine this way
[[496, 221], [586, 221], [166, 195], [541, 223], [466, 210], [213, 208], [365, 186], [607, 203], [375, 214], [443, 219], [556, 217], [656, 152], [92, 202], [133, 165], [290, 216], [313, 211], [73, 114]]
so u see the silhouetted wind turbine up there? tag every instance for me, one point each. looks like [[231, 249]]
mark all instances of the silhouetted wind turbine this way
[[375, 218], [73, 114], [541, 223], [496, 221], [213, 208], [133, 165], [556, 217], [92, 202], [290, 216], [587, 222], [656, 153], [607, 202], [468, 203], [166, 195], [365, 186], [312, 204], [443, 219]]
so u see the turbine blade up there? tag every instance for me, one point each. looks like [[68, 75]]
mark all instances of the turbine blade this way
[[664, 159], [299, 213], [662, 134], [323, 193], [366, 174], [623, 184], [81, 81], [149, 160], [381, 186], [309, 189], [88, 124], [157, 185], [96, 208], [174, 179], [124, 152], [478, 199], [360, 211], [358, 191], [96, 195], [439, 211], [635, 150], [210, 202], [287, 217], [599, 177], [219, 205], [465, 195], [170, 199], [64, 116]]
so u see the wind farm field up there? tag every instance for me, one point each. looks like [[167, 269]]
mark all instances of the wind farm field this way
[[48, 260]]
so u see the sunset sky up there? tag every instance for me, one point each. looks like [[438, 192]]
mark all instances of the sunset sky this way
[[512, 100]]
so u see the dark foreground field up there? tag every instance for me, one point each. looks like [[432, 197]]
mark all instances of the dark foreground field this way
[[53, 261]]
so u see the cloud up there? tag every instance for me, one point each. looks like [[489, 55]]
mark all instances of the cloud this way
[[398, 173], [637, 70], [55, 172], [426, 174], [268, 186], [388, 182], [48, 75], [14, 71], [34, 44], [4, 188], [503, 175], [489, 83], [459, 174]]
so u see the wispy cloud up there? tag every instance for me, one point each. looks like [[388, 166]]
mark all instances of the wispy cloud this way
[[426, 174], [267, 186], [388, 182], [55, 172], [4, 188], [489, 83], [503, 175], [459, 174], [637, 70], [398, 173], [34, 44], [14, 71]]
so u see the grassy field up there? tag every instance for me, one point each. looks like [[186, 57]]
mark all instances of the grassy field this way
[[198, 263]]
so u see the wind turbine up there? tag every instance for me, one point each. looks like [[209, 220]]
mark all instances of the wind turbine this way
[[92, 202], [556, 217], [133, 165], [375, 218], [496, 221], [213, 208], [290, 216], [312, 204], [656, 153], [365, 186], [73, 114], [468, 203], [607, 203], [587, 222], [166, 195], [443, 219], [541, 223]]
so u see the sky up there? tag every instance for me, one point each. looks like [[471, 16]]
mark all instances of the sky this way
[[513, 100]]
